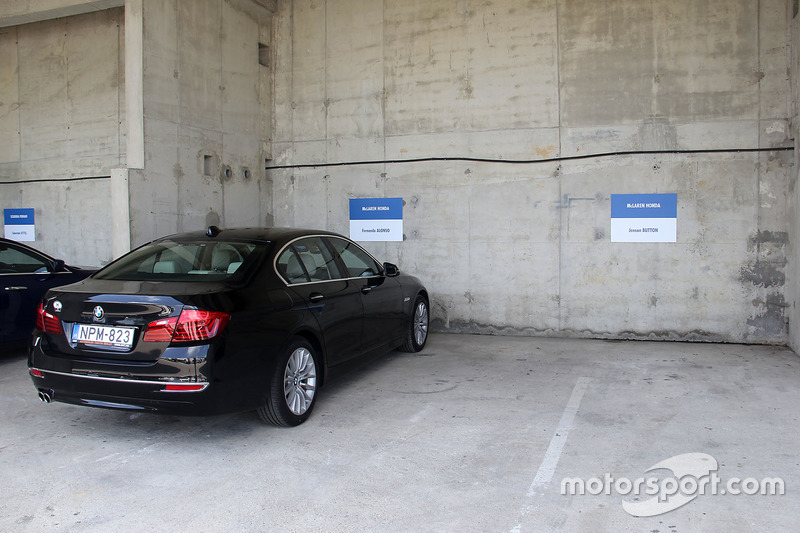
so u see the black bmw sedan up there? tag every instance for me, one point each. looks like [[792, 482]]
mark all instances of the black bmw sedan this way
[[224, 321]]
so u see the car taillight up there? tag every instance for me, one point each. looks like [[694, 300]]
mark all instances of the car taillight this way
[[47, 322], [160, 330], [191, 326], [194, 325]]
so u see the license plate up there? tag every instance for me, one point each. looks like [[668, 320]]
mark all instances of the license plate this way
[[96, 335]]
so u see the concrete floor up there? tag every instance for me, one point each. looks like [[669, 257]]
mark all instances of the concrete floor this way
[[473, 434]]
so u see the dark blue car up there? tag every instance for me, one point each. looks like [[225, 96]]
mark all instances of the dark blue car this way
[[25, 275]]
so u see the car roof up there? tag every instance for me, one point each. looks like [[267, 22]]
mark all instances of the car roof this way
[[20, 244], [268, 234]]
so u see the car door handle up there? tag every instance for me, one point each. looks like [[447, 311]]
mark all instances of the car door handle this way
[[315, 297], [365, 290], [16, 288]]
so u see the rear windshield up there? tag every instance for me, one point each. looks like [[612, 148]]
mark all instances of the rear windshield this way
[[185, 261]]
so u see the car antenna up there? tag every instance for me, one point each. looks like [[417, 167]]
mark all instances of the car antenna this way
[[213, 231]]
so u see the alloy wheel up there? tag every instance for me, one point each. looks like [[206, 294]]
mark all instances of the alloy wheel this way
[[421, 323], [300, 381]]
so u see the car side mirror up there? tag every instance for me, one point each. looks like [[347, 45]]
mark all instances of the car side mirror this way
[[390, 270], [59, 265]]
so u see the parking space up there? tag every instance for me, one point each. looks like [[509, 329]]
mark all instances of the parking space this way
[[473, 434]]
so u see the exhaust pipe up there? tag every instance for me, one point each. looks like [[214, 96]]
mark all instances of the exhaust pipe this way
[[46, 396]]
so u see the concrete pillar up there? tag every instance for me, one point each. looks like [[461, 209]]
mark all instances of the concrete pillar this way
[[134, 75], [134, 110], [120, 213]]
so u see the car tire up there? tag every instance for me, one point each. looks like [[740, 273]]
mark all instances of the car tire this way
[[292, 387], [417, 333]]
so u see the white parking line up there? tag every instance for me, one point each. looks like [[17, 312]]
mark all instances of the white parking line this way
[[553, 454], [551, 457]]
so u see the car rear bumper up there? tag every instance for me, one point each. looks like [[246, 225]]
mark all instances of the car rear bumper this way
[[120, 393], [170, 385]]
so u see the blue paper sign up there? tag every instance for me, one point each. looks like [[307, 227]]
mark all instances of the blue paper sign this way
[[376, 219], [644, 217], [18, 224], [644, 206], [376, 209]]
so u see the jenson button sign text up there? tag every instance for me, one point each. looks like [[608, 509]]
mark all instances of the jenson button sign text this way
[[644, 217]]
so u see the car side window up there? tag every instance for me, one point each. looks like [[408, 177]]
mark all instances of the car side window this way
[[359, 263], [307, 260], [15, 261]]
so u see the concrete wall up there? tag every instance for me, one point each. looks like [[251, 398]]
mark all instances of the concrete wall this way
[[525, 248], [793, 250], [206, 117], [504, 248], [17, 12], [172, 117], [62, 119]]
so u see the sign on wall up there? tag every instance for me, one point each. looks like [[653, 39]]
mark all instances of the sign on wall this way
[[18, 224], [376, 219], [644, 217]]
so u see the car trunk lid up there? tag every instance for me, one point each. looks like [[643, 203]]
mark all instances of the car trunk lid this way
[[114, 326]]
